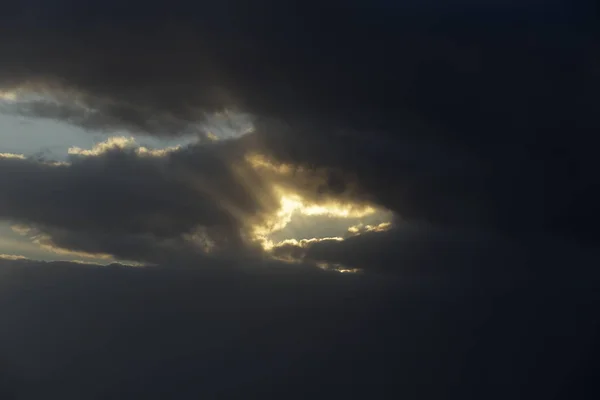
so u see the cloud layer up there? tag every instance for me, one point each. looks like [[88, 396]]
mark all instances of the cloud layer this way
[[162, 205], [74, 331], [445, 151], [125, 202], [457, 122]]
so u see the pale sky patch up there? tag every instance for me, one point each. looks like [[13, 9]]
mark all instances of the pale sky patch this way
[[53, 139], [301, 222]]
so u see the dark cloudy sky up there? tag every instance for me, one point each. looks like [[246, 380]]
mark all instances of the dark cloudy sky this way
[[299, 199]]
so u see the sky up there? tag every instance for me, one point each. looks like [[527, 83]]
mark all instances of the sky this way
[[299, 199]]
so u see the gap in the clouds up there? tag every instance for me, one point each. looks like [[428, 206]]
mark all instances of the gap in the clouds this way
[[52, 139], [299, 220]]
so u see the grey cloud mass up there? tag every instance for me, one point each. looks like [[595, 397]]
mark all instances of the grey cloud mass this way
[[468, 131], [154, 205], [508, 93], [72, 331], [95, 202]]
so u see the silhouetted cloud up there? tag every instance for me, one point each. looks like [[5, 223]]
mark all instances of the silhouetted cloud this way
[[470, 121], [426, 252], [158, 205], [132, 203], [76, 331], [454, 141]]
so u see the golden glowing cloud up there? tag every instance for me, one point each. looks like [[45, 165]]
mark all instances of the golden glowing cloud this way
[[292, 203], [337, 267], [121, 142], [11, 155], [308, 242], [259, 161], [360, 228], [8, 95], [23, 157], [11, 257]]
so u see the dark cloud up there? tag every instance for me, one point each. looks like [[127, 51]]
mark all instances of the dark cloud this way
[[103, 116], [473, 124], [72, 331], [426, 252], [350, 65], [462, 115], [156, 205], [135, 205], [463, 120]]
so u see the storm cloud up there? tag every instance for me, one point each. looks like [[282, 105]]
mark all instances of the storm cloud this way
[[73, 331], [481, 121], [154, 205], [356, 200], [144, 199]]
